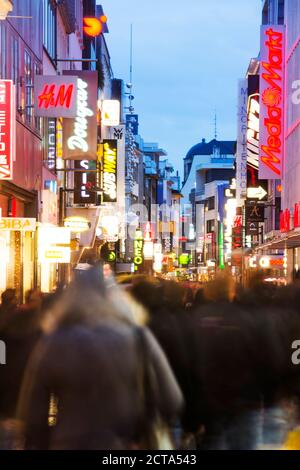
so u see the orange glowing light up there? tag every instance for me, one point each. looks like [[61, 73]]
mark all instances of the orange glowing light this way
[[279, 188], [93, 26]]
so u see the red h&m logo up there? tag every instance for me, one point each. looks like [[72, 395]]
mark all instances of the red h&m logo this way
[[56, 96], [7, 119]]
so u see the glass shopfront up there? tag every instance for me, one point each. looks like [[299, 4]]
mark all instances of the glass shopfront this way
[[17, 254]]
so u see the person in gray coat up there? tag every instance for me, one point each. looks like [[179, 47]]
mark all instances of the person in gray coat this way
[[98, 380]]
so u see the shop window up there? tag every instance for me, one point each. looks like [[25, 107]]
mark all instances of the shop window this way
[[49, 28], [210, 203], [28, 83], [37, 120], [3, 41], [14, 65], [210, 226]]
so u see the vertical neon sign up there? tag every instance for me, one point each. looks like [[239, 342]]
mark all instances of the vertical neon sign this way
[[271, 102]]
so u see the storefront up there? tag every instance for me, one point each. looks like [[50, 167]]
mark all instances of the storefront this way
[[17, 254]]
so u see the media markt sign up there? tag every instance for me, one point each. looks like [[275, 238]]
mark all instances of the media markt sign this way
[[272, 68]]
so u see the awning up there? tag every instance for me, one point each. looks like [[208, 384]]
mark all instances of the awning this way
[[285, 241]]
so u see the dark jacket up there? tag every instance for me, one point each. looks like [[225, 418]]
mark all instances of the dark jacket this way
[[95, 375]]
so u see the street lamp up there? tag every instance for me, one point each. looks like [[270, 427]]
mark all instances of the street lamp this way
[[5, 7]]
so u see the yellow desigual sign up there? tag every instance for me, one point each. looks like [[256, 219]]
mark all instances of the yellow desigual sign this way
[[18, 224]]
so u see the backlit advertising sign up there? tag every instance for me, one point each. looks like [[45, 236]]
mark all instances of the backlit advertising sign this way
[[271, 131], [138, 247], [7, 135], [85, 181], [55, 96], [241, 152], [80, 133], [110, 168]]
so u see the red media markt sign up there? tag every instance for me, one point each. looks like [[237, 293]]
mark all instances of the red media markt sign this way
[[271, 133], [55, 96], [7, 134]]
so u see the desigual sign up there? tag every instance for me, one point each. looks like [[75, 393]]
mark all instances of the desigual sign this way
[[80, 133], [271, 102], [18, 224]]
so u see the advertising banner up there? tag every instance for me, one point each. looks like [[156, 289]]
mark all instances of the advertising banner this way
[[241, 151], [7, 134], [110, 170], [271, 131]]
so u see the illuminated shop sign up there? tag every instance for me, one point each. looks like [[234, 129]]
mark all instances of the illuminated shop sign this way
[[7, 134], [138, 247], [253, 130], [77, 224], [51, 143], [241, 152], [266, 262], [18, 224], [297, 215], [272, 97], [184, 259], [85, 181], [80, 133], [54, 245], [110, 113], [110, 166], [94, 26], [285, 221], [55, 96]]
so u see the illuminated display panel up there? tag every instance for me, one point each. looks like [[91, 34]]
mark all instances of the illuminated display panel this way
[[272, 68], [7, 118]]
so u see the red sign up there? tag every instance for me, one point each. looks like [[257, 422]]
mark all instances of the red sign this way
[[272, 96], [238, 221], [7, 135], [55, 96], [297, 215], [285, 221]]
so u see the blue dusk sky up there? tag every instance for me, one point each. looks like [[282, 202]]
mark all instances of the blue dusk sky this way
[[188, 57]]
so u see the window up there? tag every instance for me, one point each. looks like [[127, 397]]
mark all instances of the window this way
[[28, 87], [14, 66], [37, 120], [2, 50], [281, 12], [49, 28], [210, 203], [210, 226]]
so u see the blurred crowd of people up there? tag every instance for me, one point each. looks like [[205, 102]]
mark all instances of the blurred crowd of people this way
[[150, 365]]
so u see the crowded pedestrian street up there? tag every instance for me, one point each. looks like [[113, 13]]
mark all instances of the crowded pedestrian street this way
[[149, 232]]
